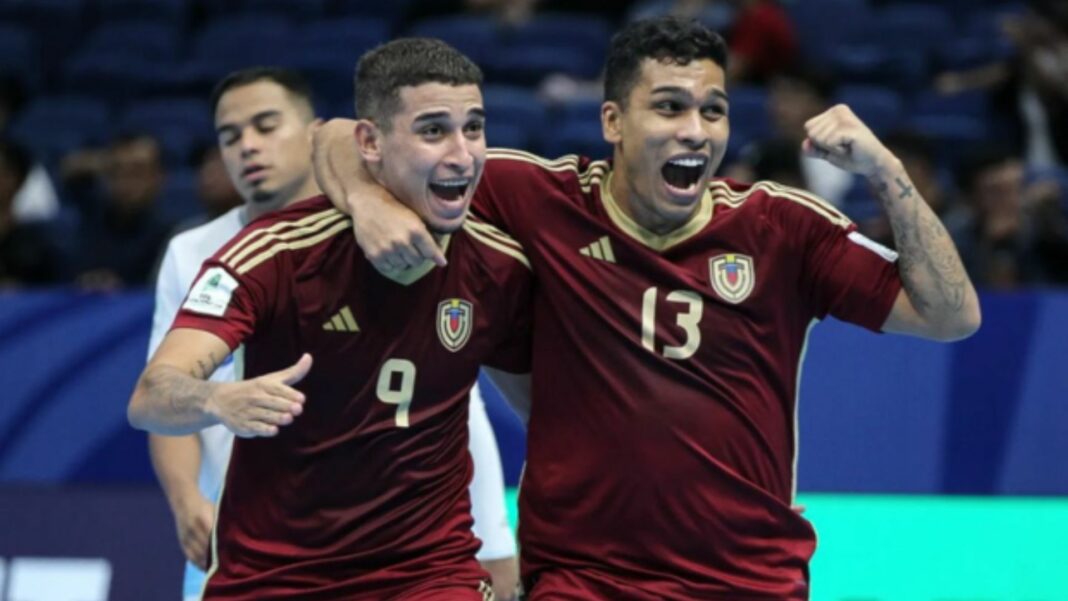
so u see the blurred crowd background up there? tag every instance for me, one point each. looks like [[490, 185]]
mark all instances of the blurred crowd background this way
[[107, 146]]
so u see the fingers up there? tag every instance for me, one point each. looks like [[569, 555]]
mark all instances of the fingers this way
[[296, 372], [428, 249], [255, 430]]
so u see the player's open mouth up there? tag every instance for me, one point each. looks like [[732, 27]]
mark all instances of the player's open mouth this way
[[682, 173], [452, 189]]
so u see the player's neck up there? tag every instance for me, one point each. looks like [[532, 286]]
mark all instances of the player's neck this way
[[307, 189], [641, 210]]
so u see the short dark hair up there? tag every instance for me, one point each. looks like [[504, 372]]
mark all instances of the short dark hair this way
[[384, 70], [293, 82], [666, 39]]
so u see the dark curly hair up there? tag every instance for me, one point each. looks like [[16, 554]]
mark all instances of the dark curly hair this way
[[666, 39]]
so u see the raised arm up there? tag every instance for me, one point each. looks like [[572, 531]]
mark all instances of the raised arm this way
[[173, 397], [937, 300], [392, 237]]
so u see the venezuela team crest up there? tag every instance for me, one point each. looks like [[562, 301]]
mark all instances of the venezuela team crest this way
[[456, 317], [732, 276]]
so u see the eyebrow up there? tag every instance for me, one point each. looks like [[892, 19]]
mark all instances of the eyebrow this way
[[257, 117], [477, 112], [679, 90]]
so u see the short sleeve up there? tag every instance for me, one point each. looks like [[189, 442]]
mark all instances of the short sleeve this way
[[225, 303], [846, 274]]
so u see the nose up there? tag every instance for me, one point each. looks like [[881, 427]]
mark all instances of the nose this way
[[459, 157], [691, 131], [250, 142]]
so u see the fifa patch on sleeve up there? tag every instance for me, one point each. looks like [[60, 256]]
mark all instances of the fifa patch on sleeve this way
[[873, 246], [211, 293]]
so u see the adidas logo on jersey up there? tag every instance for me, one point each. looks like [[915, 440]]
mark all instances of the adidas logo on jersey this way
[[342, 321], [601, 249]]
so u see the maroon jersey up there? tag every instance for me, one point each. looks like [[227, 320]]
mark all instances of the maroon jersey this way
[[364, 495], [661, 447]]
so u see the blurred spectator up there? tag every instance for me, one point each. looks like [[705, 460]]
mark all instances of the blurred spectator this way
[[121, 235], [505, 12], [918, 157], [759, 33], [217, 192], [762, 41], [1029, 90], [717, 15], [1015, 232], [794, 97], [776, 160], [36, 198], [27, 256]]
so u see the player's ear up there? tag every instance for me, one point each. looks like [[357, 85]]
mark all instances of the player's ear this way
[[368, 141], [611, 122]]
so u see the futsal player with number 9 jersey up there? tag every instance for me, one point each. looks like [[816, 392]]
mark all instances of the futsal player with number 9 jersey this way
[[349, 477]]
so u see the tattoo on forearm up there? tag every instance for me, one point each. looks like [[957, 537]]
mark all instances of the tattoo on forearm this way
[[931, 270], [906, 189]]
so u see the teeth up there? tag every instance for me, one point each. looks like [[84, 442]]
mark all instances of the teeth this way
[[688, 162], [459, 183]]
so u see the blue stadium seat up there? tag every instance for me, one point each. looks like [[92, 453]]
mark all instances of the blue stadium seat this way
[[304, 10], [951, 135], [508, 135], [528, 66], [577, 137], [579, 110], [328, 73], [52, 126], [824, 25], [477, 37], [516, 118], [182, 125], [911, 26], [966, 104], [240, 41], [171, 12], [748, 112], [879, 107], [584, 35], [19, 56], [349, 36], [149, 40], [327, 53], [118, 79]]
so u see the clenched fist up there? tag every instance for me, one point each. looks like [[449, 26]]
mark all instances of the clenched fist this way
[[838, 136]]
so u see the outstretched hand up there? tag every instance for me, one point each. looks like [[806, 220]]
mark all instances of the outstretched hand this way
[[258, 407], [838, 136]]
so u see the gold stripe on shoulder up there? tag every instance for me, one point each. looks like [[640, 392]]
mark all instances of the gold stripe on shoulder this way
[[277, 247], [564, 163], [806, 195], [281, 225], [479, 235], [269, 238], [821, 207], [493, 232]]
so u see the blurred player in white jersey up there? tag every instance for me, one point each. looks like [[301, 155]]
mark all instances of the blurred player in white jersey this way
[[264, 120]]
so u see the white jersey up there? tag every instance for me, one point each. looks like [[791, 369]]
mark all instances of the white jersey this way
[[181, 263]]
